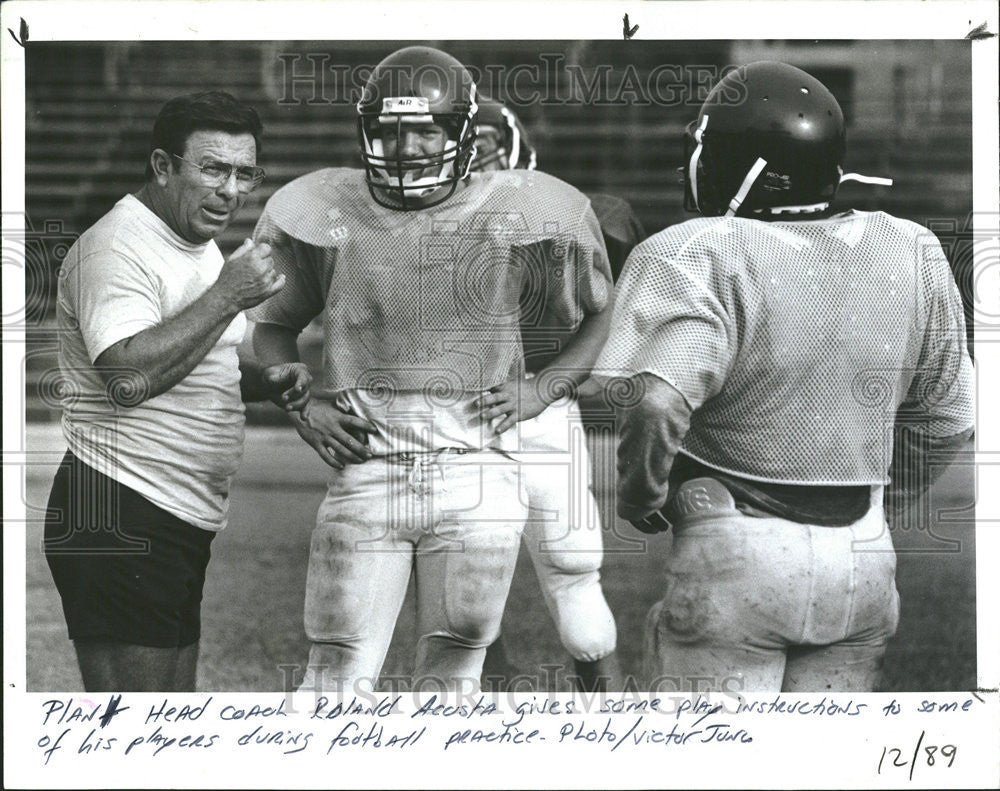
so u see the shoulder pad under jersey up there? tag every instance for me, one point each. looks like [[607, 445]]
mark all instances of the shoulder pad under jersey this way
[[313, 205]]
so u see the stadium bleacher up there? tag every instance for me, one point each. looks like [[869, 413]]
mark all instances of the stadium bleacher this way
[[90, 108]]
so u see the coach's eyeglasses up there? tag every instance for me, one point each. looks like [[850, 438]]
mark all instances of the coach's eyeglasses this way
[[215, 174]]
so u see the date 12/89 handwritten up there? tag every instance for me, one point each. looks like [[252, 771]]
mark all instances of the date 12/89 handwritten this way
[[930, 755]]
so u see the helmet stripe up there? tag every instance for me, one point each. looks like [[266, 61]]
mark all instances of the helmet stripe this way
[[515, 145]]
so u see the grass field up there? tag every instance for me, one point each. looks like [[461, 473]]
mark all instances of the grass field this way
[[252, 611]]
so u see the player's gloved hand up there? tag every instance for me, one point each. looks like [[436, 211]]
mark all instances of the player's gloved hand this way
[[247, 277], [656, 522], [515, 399], [338, 437], [288, 384]]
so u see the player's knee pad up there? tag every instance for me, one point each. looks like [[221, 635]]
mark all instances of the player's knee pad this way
[[342, 667], [584, 620], [476, 582], [471, 626], [574, 551], [592, 642], [569, 563], [331, 629]]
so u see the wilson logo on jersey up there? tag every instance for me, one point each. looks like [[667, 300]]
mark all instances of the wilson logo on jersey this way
[[339, 232]]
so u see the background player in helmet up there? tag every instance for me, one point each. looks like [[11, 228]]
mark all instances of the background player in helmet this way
[[563, 531], [779, 345], [412, 265], [503, 143]]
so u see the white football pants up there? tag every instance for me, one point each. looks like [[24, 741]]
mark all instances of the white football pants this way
[[563, 531], [456, 521], [765, 604]]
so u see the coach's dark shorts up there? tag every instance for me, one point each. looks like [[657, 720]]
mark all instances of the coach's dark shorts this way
[[126, 569]]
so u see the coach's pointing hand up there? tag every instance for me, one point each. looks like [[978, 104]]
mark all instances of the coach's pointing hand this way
[[247, 277]]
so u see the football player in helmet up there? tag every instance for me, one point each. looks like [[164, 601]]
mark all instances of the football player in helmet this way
[[563, 532], [776, 344], [417, 270], [501, 140], [503, 143]]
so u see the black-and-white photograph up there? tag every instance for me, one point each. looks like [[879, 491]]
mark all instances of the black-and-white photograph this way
[[754, 344], [611, 368]]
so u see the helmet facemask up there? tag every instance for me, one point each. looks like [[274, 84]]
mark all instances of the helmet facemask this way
[[393, 180], [491, 153]]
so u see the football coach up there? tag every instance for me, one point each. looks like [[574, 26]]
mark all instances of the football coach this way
[[150, 316]]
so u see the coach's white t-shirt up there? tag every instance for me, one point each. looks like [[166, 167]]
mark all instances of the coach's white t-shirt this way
[[127, 273]]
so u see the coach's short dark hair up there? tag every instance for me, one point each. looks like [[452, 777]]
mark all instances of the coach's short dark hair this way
[[215, 111]]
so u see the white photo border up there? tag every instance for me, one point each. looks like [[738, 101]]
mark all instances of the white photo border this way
[[835, 755]]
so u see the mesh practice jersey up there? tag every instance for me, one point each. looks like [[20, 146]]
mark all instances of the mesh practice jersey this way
[[545, 339], [621, 228], [432, 299], [798, 344]]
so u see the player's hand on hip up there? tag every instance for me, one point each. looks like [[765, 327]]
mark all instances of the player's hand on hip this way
[[514, 400], [338, 437], [656, 522], [248, 276], [289, 385]]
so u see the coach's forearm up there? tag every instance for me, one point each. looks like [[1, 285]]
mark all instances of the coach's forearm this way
[[274, 344], [649, 435], [156, 359]]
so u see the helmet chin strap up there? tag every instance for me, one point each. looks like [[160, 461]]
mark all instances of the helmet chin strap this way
[[803, 209], [809, 209], [424, 186], [752, 175], [865, 179], [695, 156], [878, 180]]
